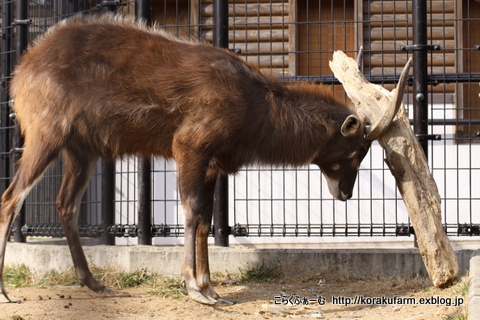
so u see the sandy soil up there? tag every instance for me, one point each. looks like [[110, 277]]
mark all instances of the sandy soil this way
[[255, 301]]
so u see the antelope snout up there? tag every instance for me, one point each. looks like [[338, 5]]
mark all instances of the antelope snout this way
[[344, 197]]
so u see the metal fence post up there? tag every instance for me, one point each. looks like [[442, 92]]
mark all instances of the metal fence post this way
[[108, 201], [420, 63], [220, 204], [420, 76], [109, 5], [144, 202], [144, 11], [21, 22], [108, 172], [6, 69]]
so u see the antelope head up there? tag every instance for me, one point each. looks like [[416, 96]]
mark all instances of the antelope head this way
[[376, 108]]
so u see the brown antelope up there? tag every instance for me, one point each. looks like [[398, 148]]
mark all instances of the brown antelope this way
[[108, 86]]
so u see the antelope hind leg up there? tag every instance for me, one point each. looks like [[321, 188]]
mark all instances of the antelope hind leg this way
[[5, 225], [77, 172], [4, 232], [30, 170]]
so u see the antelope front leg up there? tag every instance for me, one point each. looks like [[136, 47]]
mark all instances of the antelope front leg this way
[[196, 201], [195, 292], [203, 268], [192, 207], [192, 169]]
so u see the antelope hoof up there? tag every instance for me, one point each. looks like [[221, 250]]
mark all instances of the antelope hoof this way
[[225, 302], [4, 298], [99, 288], [201, 298], [108, 291]]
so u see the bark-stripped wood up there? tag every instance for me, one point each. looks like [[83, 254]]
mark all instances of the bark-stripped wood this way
[[408, 164]]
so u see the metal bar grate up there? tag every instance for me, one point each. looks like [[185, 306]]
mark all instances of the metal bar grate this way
[[293, 40]]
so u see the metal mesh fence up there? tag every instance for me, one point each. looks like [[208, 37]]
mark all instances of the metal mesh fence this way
[[294, 40]]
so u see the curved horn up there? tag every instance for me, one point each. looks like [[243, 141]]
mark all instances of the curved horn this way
[[377, 104], [382, 124], [359, 58]]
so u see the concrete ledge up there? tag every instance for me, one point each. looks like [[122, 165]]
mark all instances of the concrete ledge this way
[[363, 263], [474, 293], [167, 260]]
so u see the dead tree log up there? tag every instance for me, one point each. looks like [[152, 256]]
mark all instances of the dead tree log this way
[[407, 163]]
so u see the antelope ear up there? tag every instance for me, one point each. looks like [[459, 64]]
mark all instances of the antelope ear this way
[[350, 126], [378, 105]]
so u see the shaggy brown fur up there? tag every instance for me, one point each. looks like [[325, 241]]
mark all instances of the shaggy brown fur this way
[[108, 86]]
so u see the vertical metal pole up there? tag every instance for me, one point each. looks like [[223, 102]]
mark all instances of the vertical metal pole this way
[[21, 23], [420, 76], [220, 212], [420, 62], [109, 6], [22, 27], [108, 200], [144, 202], [7, 63], [220, 20], [220, 203], [108, 174], [144, 11]]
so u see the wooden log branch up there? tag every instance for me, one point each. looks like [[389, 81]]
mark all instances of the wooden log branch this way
[[407, 163]]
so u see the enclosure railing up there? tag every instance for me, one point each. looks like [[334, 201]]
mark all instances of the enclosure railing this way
[[293, 39]]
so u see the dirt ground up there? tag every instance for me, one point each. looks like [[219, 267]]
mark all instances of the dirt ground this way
[[265, 300]]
